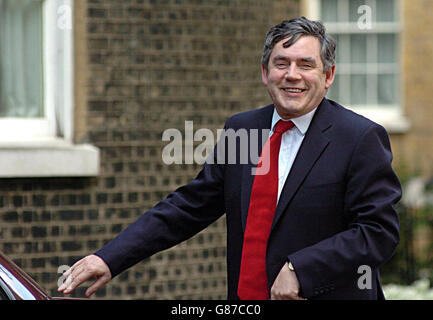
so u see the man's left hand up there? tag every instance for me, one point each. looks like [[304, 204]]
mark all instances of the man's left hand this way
[[286, 285]]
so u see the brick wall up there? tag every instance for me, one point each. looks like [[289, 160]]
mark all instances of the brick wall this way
[[144, 66], [415, 148]]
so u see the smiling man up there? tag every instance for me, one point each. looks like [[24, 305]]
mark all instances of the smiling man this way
[[295, 76], [302, 230]]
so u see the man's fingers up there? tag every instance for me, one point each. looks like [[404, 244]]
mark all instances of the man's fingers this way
[[67, 282], [79, 276], [96, 285], [286, 297], [67, 275], [73, 276], [89, 267]]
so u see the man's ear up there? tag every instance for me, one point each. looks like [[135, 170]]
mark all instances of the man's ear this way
[[330, 75], [264, 75]]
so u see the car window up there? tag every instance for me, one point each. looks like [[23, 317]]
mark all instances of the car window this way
[[3, 295]]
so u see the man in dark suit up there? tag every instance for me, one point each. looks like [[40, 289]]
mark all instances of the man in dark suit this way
[[306, 232]]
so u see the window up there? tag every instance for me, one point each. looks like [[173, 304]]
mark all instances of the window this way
[[3, 295], [36, 91], [21, 77], [367, 59], [28, 64]]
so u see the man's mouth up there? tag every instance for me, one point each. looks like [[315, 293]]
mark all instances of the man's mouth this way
[[293, 90]]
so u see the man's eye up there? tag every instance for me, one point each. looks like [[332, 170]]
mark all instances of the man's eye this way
[[281, 65], [306, 66]]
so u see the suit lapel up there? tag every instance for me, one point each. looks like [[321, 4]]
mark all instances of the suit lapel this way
[[313, 145]]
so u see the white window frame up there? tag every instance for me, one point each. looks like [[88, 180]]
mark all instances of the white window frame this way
[[34, 147], [390, 116]]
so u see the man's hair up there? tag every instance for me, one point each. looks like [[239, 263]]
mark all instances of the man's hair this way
[[294, 29]]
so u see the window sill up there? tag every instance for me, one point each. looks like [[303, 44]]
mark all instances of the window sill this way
[[390, 118], [47, 158]]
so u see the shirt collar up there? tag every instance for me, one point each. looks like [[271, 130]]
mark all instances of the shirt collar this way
[[302, 123]]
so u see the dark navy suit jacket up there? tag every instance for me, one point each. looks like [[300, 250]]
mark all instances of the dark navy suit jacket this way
[[335, 213]]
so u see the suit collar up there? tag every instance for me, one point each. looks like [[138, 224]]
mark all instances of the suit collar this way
[[302, 123]]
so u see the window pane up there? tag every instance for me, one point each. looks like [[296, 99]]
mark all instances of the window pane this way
[[358, 89], [342, 44], [372, 48], [385, 10], [329, 11], [344, 89], [386, 89], [358, 48], [21, 58], [353, 10], [372, 89], [386, 46]]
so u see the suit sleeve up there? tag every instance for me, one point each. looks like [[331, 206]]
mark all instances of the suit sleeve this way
[[185, 212], [372, 190]]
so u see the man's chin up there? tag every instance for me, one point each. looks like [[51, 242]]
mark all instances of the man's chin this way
[[288, 112]]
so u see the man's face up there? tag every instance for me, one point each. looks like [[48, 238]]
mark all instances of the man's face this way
[[294, 77]]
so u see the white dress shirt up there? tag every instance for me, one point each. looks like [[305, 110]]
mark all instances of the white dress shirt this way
[[290, 143]]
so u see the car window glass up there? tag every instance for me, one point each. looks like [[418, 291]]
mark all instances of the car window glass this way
[[3, 295]]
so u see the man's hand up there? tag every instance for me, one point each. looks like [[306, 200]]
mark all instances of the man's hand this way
[[89, 267], [286, 285]]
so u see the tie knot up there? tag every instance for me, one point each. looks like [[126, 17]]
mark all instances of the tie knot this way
[[283, 126]]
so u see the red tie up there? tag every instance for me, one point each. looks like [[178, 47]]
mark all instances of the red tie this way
[[253, 282]]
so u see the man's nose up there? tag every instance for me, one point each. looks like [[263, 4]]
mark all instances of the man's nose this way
[[292, 73]]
